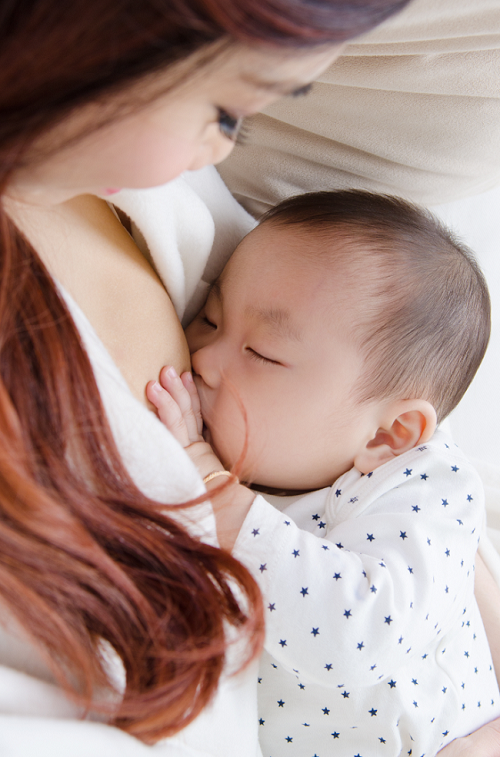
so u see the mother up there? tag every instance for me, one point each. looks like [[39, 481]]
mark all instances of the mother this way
[[109, 605]]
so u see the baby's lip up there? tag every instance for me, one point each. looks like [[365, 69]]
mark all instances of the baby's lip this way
[[203, 405]]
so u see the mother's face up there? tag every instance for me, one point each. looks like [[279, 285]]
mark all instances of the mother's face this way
[[191, 125]]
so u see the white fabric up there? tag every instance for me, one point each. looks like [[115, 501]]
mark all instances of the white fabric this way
[[192, 226], [373, 635]]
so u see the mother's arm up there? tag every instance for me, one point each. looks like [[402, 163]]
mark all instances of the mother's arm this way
[[488, 598], [484, 742]]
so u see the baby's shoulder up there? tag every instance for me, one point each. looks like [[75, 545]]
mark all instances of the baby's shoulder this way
[[433, 474]]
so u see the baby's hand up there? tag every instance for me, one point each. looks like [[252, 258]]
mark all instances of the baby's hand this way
[[176, 399], [178, 404]]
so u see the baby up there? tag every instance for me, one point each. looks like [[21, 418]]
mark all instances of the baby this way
[[344, 328]]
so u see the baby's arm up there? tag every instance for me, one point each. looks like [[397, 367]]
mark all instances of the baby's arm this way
[[352, 605], [176, 399]]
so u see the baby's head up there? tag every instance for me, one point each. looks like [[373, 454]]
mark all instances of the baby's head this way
[[340, 331]]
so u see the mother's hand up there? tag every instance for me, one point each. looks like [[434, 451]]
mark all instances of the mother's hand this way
[[484, 742]]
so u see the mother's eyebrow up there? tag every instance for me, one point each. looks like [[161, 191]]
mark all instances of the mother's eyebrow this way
[[281, 88]]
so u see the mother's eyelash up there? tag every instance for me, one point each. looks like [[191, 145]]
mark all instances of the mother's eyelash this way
[[233, 128], [243, 134], [301, 91]]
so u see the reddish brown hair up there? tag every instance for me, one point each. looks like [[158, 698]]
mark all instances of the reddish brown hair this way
[[84, 555], [424, 309]]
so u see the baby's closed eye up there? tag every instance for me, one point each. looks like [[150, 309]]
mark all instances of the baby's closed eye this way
[[261, 358]]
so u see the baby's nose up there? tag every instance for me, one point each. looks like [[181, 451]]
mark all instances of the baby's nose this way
[[206, 365]]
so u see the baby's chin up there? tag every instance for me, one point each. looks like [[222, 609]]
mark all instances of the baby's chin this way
[[207, 436], [255, 479]]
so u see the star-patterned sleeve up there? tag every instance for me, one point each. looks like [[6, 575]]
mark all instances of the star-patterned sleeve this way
[[392, 570]]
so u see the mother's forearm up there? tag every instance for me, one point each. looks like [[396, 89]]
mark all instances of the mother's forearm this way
[[485, 742], [488, 598]]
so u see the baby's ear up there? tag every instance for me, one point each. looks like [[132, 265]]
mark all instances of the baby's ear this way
[[406, 424]]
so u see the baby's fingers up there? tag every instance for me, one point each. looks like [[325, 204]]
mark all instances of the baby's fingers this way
[[169, 412], [170, 380], [187, 380]]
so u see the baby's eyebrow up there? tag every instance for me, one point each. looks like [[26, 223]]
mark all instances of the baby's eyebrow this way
[[278, 320]]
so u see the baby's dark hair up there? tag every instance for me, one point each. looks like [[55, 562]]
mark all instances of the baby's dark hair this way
[[425, 321]]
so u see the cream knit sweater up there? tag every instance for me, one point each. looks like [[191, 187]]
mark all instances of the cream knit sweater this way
[[412, 108]]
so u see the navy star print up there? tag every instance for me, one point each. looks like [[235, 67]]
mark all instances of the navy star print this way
[[361, 590]]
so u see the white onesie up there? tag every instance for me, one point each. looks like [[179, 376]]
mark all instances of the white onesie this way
[[374, 642]]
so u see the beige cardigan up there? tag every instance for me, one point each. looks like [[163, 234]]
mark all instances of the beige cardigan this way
[[412, 108]]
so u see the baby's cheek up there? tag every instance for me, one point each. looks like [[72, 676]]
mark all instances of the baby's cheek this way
[[228, 434]]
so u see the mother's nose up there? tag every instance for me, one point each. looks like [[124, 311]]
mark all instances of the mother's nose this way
[[212, 152]]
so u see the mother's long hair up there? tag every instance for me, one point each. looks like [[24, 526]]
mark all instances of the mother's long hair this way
[[84, 555]]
